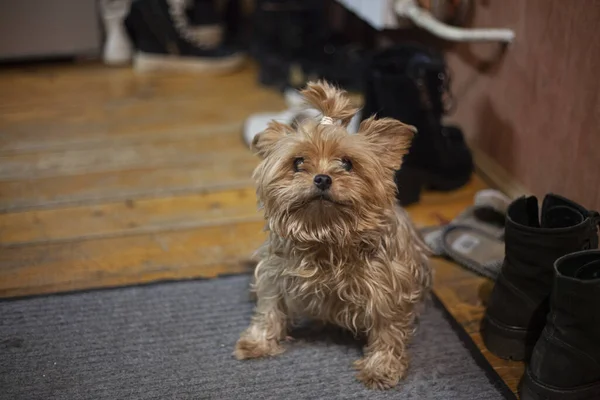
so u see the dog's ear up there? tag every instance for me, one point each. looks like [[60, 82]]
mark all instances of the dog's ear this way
[[389, 138], [265, 142]]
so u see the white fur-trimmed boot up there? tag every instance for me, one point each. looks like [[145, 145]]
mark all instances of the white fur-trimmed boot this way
[[117, 46]]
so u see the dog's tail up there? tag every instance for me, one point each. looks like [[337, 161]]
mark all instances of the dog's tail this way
[[331, 101]]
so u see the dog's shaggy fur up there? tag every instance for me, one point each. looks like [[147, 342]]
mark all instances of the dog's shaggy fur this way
[[347, 255]]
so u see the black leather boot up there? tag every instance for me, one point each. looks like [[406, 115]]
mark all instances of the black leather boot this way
[[565, 364], [409, 83], [519, 303]]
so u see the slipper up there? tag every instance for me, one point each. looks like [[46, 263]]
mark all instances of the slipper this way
[[297, 111], [474, 249], [475, 232], [487, 214]]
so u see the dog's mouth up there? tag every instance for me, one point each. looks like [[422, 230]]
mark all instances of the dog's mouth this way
[[322, 200], [325, 199]]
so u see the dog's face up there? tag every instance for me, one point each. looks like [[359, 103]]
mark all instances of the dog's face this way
[[317, 183]]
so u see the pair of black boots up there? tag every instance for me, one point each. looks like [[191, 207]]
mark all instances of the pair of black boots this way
[[545, 306], [411, 83]]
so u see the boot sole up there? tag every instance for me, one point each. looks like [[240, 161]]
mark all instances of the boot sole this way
[[506, 342], [146, 62], [531, 389]]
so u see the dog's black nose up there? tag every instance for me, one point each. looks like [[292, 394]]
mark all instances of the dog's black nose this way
[[323, 182]]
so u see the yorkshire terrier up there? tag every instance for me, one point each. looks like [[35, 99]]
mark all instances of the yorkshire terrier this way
[[339, 249]]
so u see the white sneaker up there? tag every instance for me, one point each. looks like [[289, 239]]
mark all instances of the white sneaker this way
[[296, 112]]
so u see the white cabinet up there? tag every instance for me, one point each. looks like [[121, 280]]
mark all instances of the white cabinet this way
[[49, 28]]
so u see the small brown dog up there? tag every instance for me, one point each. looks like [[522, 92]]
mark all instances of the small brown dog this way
[[339, 249]]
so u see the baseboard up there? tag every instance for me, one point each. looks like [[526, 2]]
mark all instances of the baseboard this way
[[496, 176]]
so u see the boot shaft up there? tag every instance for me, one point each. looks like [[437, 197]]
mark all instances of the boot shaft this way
[[534, 241], [290, 28], [408, 83], [575, 300], [293, 42], [567, 355]]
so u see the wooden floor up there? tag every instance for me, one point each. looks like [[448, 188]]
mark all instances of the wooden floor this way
[[111, 178]]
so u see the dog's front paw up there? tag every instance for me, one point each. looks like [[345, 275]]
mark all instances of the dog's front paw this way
[[377, 379], [380, 374], [247, 348]]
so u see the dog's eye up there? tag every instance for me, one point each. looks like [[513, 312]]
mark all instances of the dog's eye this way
[[346, 164], [298, 161]]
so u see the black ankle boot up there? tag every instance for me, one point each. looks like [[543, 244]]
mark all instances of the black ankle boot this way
[[164, 39], [292, 43], [519, 303], [408, 83], [565, 364], [277, 39]]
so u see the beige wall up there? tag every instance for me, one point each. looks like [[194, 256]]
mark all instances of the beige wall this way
[[535, 109]]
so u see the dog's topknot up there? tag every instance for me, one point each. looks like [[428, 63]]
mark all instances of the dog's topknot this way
[[331, 101]]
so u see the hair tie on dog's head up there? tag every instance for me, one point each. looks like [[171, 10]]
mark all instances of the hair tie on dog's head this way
[[326, 121]]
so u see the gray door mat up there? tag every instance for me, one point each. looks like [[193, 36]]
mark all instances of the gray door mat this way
[[174, 340]]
